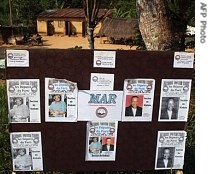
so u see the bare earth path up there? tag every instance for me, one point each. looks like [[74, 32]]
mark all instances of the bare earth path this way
[[65, 42]]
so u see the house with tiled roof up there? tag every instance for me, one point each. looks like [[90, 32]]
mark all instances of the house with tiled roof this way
[[68, 21]]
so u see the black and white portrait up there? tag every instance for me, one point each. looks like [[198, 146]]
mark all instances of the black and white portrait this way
[[169, 108]]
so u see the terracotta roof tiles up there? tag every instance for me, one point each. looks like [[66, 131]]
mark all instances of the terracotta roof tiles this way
[[67, 13]]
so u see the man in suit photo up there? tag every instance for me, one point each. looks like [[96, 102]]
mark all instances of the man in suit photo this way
[[108, 146], [165, 161], [169, 112], [133, 109]]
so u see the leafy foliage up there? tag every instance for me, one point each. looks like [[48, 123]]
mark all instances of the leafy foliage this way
[[183, 10], [5, 153], [25, 11], [124, 8]]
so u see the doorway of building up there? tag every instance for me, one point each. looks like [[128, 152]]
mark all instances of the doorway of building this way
[[50, 28], [84, 29], [68, 28]]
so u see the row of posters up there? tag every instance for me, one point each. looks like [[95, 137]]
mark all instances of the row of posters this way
[[101, 145], [65, 103]]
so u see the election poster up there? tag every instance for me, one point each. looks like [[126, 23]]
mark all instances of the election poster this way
[[101, 141], [174, 99], [60, 100], [99, 105], [26, 150], [23, 100], [170, 150], [138, 99]]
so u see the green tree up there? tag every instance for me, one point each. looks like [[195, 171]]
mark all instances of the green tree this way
[[4, 12], [124, 8], [25, 12]]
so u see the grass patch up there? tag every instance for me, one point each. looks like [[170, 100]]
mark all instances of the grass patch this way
[[5, 151]]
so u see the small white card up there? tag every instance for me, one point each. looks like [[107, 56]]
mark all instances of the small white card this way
[[17, 58], [183, 60], [99, 81], [104, 59]]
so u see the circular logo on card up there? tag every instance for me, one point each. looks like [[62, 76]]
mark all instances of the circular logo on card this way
[[10, 55], [95, 78], [186, 88], [149, 87], [165, 88], [50, 87], [112, 130], [129, 87], [98, 62], [101, 112], [11, 89], [161, 139], [177, 57], [34, 89], [36, 140], [72, 87], [92, 130], [14, 141]]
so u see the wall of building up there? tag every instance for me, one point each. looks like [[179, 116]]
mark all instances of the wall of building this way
[[42, 27], [60, 27], [76, 25]]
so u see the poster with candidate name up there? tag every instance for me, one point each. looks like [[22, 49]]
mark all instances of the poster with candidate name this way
[[99, 105], [23, 100], [138, 99], [174, 99], [60, 100], [170, 150], [26, 150], [101, 141]]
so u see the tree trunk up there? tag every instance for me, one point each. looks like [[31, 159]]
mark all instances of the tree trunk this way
[[159, 31], [90, 37], [91, 8]]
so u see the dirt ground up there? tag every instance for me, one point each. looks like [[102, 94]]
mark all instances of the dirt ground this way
[[70, 42], [65, 42]]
